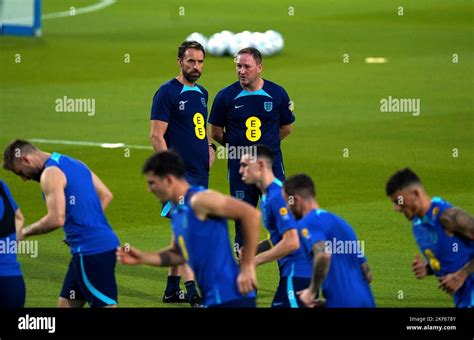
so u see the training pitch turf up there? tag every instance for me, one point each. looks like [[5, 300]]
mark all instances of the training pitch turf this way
[[337, 107]]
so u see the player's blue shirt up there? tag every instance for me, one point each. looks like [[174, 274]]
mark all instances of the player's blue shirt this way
[[206, 247], [87, 230], [9, 265], [277, 219], [252, 118], [184, 108], [345, 284], [445, 254]]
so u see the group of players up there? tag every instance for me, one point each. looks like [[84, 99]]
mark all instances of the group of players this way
[[256, 114]]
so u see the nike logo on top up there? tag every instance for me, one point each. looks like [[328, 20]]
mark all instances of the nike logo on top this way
[[238, 106]]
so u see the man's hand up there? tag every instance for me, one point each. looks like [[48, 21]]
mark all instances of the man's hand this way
[[128, 255], [212, 156], [22, 234], [308, 297], [419, 267], [451, 283], [247, 279]]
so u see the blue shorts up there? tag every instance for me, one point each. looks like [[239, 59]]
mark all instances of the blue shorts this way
[[91, 278], [167, 207], [12, 292], [240, 303], [285, 296], [248, 193], [464, 297]]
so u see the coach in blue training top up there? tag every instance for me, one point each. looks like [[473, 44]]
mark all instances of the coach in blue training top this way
[[178, 122], [251, 111]]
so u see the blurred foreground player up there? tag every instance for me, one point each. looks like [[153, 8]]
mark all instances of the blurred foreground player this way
[[75, 199], [12, 285], [201, 236], [284, 246], [340, 267], [444, 234]]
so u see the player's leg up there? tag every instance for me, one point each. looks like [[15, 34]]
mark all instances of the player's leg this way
[[247, 193], [71, 295], [97, 278], [189, 282], [12, 292]]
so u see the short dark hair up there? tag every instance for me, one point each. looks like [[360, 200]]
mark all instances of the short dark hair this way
[[300, 184], [14, 150], [263, 151], [257, 56], [165, 163], [186, 45], [401, 179]]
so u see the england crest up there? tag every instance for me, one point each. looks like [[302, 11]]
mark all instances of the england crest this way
[[268, 106], [203, 101]]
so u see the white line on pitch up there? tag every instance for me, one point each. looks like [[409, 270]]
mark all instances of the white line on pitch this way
[[93, 144], [92, 8]]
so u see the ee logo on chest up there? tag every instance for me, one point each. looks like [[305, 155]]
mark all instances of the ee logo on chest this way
[[199, 128], [253, 132]]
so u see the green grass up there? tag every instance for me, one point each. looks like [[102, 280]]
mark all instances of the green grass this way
[[336, 105]]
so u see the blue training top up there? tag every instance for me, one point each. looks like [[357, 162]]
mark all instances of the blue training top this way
[[345, 284], [87, 229], [206, 247], [444, 253]]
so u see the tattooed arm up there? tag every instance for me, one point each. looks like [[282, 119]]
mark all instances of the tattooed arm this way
[[457, 221]]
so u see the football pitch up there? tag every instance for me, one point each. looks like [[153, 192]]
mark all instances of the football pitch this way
[[341, 136]]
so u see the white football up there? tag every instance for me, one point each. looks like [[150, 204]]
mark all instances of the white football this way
[[199, 37], [276, 39], [216, 45], [262, 43]]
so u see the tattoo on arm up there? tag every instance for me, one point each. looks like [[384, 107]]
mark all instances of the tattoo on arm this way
[[320, 266], [170, 257], [264, 246], [459, 222]]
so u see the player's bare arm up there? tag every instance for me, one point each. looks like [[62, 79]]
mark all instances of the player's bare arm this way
[[170, 256], [367, 272], [53, 182], [157, 135], [321, 263], [19, 221], [210, 203], [105, 195], [457, 221], [285, 130], [289, 242], [451, 282], [217, 133]]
